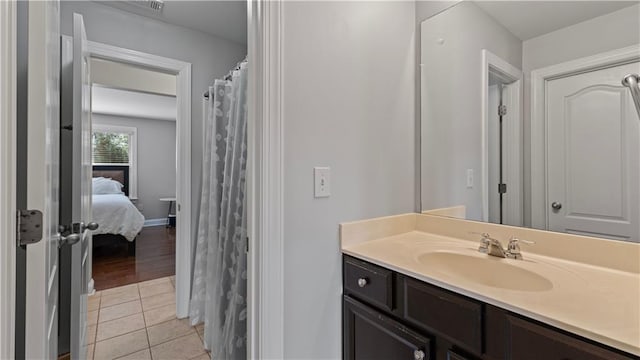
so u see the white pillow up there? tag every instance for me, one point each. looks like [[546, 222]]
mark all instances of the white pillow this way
[[103, 186]]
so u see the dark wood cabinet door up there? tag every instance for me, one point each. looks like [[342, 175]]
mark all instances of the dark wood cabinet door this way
[[453, 355], [443, 313], [529, 341], [368, 335]]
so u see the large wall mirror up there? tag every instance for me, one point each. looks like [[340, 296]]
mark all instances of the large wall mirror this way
[[524, 117]]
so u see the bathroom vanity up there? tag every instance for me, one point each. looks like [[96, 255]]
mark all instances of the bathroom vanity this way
[[528, 131], [416, 287], [393, 316]]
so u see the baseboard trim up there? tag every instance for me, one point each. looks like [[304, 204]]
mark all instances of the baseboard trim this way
[[155, 222]]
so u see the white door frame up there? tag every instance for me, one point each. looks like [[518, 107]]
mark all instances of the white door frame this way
[[539, 156], [184, 240], [265, 181], [7, 178], [512, 132]]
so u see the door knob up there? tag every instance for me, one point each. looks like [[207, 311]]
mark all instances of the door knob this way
[[80, 227], [91, 226], [556, 205], [68, 240]]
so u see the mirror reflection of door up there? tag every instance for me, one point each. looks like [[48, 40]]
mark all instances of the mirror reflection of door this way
[[576, 166], [503, 142], [593, 155], [497, 187]]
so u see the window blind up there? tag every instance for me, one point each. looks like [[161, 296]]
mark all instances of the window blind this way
[[110, 148]]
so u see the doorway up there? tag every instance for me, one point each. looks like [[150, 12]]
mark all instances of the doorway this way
[[182, 72], [133, 116], [110, 180], [502, 141]]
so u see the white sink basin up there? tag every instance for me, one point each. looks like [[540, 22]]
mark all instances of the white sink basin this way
[[486, 270]]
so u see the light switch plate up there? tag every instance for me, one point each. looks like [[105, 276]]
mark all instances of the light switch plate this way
[[321, 182], [469, 178]]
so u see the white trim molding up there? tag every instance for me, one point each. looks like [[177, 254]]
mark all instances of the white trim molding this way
[[7, 178], [184, 240], [512, 139], [155, 222], [265, 181], [539, 156]]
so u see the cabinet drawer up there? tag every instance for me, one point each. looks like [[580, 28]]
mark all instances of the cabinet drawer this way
[[530, 341], [369, 282], [368, 334], [457, 318]]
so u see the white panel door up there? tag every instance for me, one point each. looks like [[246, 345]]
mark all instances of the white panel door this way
[[81, 192], [593, 155], [43, 126]]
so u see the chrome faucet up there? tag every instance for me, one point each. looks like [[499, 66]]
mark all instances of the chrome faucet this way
[[493, 247]]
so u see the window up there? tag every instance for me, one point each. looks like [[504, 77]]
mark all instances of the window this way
[[116, 145], [110, 148]]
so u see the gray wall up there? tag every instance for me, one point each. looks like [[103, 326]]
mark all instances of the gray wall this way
[[349, 104], [608, 32], [210, 57], [156, 161], [427, 9], [423, 10], [451, 102]]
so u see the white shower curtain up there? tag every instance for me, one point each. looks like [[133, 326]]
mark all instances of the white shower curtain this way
[[218, 295]]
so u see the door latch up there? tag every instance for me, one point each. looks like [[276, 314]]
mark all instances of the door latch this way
[[29, 227], [70, 235]]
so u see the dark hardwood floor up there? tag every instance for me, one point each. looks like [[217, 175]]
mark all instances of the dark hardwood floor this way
[[155, 258]]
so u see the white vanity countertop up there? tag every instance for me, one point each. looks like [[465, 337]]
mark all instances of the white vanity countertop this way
[[593, 301]]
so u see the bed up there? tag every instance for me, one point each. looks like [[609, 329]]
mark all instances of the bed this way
[[120, 221]]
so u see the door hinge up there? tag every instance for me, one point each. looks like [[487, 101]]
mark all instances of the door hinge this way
[[502, 188], [28, 227], [502, 110], [247, 244]]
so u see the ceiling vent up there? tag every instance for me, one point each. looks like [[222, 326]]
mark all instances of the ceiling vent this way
[[154, 5]]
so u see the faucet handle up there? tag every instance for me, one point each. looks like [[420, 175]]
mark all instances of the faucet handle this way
[[513, 248], [516, 240], [484, 242]]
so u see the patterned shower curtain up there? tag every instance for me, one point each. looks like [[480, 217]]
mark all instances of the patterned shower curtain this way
[[218, 296]]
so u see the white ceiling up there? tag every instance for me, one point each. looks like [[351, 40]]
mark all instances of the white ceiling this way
[[528, 19], [110, 101], [225, 19]]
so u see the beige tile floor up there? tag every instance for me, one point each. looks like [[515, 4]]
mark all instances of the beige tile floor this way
[[138, 321]]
